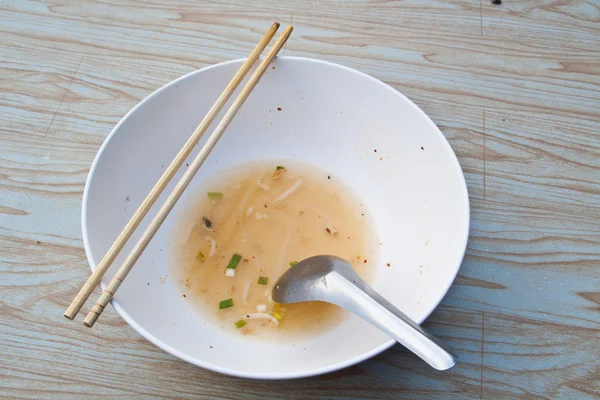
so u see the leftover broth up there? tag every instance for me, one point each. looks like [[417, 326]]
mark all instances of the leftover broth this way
[[246, 227]]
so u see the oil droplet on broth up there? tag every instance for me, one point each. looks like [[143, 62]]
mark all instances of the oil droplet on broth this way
[[271, 216]]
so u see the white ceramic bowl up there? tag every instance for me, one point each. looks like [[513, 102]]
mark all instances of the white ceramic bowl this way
[[332, 117]]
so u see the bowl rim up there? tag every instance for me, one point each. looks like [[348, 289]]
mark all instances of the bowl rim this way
[[271, 375]]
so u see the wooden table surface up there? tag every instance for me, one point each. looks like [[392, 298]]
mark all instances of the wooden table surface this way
[[514, 87]]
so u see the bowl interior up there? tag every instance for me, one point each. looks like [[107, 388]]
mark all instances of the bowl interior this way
[[358, 129]]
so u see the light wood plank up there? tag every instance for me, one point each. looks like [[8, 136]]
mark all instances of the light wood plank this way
[[198, 33], [548, 162], [452, 67], [32, 86], [41, 178], [532, 263], [529, 359], [459, 17], [98, 99], [71, 70], [552, 26]]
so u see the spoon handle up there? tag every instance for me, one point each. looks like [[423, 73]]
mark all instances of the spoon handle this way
[[365, 302]]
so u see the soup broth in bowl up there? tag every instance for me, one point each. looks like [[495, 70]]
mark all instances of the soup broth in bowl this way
[[245, 227]]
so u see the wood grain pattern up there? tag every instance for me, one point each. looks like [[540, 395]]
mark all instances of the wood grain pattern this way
[[459, 66], [570, 26], [529, 359], [176, 32], [96, 100], [531, 263], [515, 88], [22, 71], [548, 162]]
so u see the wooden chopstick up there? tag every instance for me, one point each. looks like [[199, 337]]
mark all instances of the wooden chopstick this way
[[164, 180], [183, 183]]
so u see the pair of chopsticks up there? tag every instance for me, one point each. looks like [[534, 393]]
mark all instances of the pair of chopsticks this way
[[164, 180]]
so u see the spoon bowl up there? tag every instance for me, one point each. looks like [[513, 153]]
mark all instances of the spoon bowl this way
[[333, 280]]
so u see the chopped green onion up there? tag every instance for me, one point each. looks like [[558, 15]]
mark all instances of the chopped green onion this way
[[240, 324], [278, 315], [215, 195], [263, 280], [280, 167], [200, 257], [235, 260], [225, 304], [292, 263]]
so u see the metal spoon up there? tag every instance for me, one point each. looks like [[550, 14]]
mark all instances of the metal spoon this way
[[333, 280]]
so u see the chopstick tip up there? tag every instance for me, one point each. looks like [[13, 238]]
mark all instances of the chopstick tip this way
[[72, 311], [90, 319]]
